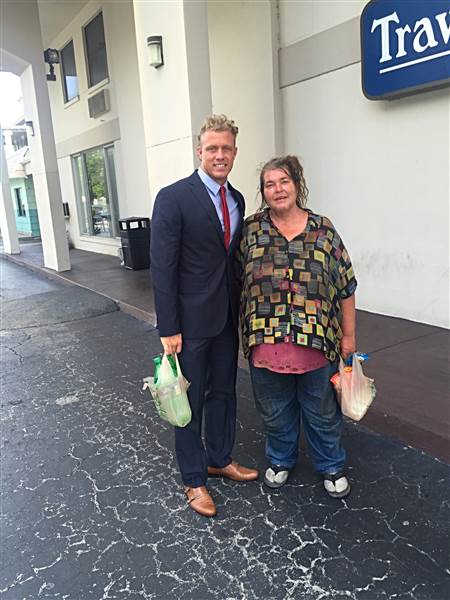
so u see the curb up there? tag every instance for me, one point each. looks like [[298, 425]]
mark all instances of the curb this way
[[126, 308]]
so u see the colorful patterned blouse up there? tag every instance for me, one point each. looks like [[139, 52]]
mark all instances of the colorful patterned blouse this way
[[292, 290]]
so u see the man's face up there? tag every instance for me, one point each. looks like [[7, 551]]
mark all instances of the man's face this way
[[217, 152]]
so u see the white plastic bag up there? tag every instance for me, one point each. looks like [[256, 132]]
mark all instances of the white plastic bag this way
[[355, 391], [169, 393]]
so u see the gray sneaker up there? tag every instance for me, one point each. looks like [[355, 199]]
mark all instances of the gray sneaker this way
[[276, 476]]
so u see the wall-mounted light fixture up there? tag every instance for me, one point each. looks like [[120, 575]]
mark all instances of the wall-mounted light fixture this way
[[29, 128], [155, 51], [51, 57]]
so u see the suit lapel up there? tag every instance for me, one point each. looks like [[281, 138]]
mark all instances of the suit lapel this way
[[238, 197], [237, 234], [203, 198]]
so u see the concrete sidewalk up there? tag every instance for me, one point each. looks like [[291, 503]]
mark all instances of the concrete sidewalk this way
[[409, 360], [92, 506]]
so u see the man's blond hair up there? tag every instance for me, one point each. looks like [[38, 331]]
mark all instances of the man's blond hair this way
[[218, 123]]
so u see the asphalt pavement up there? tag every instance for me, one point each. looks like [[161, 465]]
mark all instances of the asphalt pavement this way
[[408, 360], [92, 505]]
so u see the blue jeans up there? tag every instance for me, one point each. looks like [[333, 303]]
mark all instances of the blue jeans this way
[[284, 401]]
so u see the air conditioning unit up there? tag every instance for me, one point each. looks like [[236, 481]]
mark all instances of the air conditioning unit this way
[[98, 104]]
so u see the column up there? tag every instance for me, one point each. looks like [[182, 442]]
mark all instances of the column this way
[[176, 97], [45, 169], [7, 217]]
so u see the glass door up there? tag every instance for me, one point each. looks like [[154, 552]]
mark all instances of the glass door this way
[[95, 185], [83, 202]]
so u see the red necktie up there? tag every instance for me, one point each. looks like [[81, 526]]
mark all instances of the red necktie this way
[[226, 217]]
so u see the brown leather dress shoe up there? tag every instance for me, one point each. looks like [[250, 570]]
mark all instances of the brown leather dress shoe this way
[[200, 501], [235, 472]]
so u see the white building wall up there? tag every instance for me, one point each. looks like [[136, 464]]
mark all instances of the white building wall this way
[[131, 160], [21, 53], [380, 171], [73, 126], [172, 110], [68, 194], [72, 119], [244, 80], [300, 19]]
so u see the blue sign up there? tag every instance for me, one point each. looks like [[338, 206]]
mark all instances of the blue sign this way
[[405, 46]]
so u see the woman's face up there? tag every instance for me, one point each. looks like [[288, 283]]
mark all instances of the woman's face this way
[[279, 190]]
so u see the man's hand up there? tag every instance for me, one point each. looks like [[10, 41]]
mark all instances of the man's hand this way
[[172, 344], [348, 345]]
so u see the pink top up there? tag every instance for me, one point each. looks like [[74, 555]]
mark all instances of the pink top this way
[[287, 358]]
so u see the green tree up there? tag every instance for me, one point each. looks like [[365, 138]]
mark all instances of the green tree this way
[[95, 168]]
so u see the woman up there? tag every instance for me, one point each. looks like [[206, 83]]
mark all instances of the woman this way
[[298, 315]]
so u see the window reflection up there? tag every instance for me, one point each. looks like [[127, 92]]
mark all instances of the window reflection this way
[[69, 70], [97, 63], [95, 185]]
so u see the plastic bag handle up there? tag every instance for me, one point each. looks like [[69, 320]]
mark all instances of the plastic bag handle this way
[[178, 364], [349, 360], [165, 368], [357, 367], [175, 357]]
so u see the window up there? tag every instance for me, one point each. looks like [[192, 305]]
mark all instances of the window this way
[[69, 72], [19, 139], [94, 41], [21, 212], [96, 191]]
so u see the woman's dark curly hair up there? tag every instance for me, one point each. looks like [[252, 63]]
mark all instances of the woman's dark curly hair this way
[[292, 167]]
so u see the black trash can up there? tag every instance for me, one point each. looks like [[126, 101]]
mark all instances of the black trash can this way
[[135, 238]]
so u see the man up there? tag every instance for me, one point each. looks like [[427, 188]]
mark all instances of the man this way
[[196, 227]]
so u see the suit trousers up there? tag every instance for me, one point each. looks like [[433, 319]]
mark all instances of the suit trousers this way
[[210, 364]]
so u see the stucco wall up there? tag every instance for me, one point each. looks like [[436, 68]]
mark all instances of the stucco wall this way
[[245, 85], [21, 52], [75, 131], [380, 171], [301, 19], [176, 96]]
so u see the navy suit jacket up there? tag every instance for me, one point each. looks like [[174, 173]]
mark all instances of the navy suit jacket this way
[[195, 279]]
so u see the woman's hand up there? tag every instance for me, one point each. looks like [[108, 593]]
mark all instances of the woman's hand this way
[[348, 345], [348, 340]]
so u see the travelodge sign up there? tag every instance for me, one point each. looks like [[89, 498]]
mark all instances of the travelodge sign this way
[[405, 46]]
